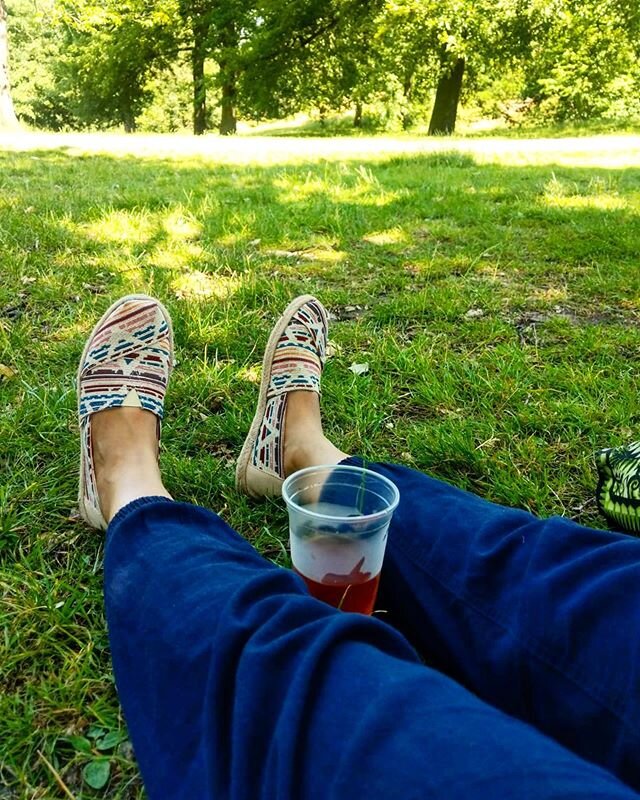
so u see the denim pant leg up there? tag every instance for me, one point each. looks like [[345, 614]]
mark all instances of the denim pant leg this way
[[236, 684], [540, 618]]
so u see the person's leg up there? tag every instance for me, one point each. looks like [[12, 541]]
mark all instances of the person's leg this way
[[540, 618], [235, 683], [125, 454]]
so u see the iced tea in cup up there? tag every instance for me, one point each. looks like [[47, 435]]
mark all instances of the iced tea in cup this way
[[338, 522]]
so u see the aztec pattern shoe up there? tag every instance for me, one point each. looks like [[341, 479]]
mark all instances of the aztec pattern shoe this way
[[293, 360], [126, 361], [618, 492]]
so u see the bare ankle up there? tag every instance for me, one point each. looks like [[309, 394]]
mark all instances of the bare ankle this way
[[119, 434], [305, 444], [311, 453], [125, 451]]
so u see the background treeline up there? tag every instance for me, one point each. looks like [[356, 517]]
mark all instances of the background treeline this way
[[203, 64]]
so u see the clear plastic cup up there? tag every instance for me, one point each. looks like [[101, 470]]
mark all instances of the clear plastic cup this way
[[338, 522]]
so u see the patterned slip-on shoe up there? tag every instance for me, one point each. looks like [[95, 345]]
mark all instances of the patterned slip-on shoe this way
[[293, 360], [126, 361], [618, 492]]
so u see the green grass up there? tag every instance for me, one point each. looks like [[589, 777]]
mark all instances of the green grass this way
[[495, 295]]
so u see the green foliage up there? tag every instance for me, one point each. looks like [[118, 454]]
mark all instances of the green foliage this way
[[140, 63], [35, 50], [77, 63], [169, 109], [585, 59], [112, 51], [309, 54]]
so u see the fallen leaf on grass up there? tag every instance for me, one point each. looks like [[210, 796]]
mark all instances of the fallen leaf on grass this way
[[359, 369], [94, 288], [333, 348], [284, 253], [343, 313], [322, 254], [6, 372]]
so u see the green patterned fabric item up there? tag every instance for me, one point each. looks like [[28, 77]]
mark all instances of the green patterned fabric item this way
[[618, 492]]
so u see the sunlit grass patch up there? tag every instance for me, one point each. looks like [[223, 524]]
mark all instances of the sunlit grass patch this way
[[598, 193], [516, 149], [392, 236], [175, 255], [252, 373], [197, 285], [128, 227], [603, 202], [179, 225]]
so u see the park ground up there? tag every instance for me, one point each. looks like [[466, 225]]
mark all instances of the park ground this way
[[488, 288]]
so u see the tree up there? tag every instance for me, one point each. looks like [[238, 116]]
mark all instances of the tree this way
[[471, 37], [229, 21], [112, 50], [37, 47], [407, 43], [82, 63], [207, 32], [196, 18], [585, 57], [8, 117], [445, 45], [448, 91], [308, 53]]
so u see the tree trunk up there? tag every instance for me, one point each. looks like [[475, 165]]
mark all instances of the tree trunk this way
[[407, 87], [357, 117], [129, 121], [445, 107], [227, 77], [198, 55], [227, 114], [7, 114]]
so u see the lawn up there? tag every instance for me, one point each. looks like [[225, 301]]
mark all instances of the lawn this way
[[492, 286]]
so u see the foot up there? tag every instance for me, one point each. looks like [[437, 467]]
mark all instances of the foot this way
[[305, 445], [125, 457], [286, 433], [122, 381]]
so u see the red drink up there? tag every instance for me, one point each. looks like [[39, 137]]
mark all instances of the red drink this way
[[354, 592]]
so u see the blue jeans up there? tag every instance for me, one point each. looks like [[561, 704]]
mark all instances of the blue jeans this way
[[511, 668]]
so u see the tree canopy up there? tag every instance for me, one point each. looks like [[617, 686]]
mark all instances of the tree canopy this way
[[73, 64], [7, 114]]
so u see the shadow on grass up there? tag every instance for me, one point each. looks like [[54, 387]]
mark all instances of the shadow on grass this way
[[100, 224], [397, 244]]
